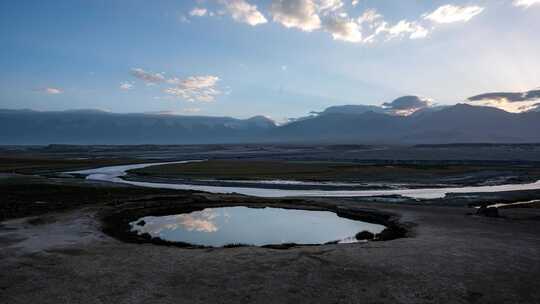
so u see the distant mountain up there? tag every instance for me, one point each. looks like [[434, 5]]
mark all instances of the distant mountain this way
[[98, 127], [461, 123], [403, 106], [351, 109]]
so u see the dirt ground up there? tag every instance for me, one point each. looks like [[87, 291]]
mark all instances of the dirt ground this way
[[53, 248], [450, 257]]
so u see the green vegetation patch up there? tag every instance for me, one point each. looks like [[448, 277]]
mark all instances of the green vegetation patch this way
[[320, 171]]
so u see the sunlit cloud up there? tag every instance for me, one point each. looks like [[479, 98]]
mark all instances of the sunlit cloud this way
[[126, 86], [195, 88], [300, 14], [407, 105], [50, 90], [369, 17], [192, 88], [328, 6], [410, 28], [198, 12], [525, 3], [509, 101], [332, 17], [148, 77], [242, 11], [453, 13], [343, 28]]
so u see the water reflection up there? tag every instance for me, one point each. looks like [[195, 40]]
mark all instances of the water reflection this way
[[233, 225]]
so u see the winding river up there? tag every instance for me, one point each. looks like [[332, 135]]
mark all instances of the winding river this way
[[115, 174]]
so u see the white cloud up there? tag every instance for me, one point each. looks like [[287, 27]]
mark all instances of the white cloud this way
[[369, 17], [126, 86], [327, 6], [183, 19], [354, 2], [301, 14], [344, 29], [198, 12], [242, 11], [403, 27], [195, 88], [148, 77], [50, 91], [452, 13], [525, 3]]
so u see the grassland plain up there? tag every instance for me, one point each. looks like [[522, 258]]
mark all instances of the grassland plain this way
[[406, 172]]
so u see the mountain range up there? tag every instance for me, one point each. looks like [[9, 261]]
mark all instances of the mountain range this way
[[461, 123]]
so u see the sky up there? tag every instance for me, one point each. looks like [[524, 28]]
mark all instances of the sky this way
[[279, 58]]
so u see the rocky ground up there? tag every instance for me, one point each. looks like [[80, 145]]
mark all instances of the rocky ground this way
[[449, 256]]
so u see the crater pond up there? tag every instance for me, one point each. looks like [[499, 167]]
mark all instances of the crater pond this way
[[218, 227]]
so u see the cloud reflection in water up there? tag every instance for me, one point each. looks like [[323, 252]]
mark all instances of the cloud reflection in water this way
[[200, 221]]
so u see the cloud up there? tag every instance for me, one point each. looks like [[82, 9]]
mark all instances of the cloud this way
[[242, 11], [343, 28], [452, 13], [403, 27], [195, 88], [327, 6], [50, 90], [198, 12], [148, 77], [514, 102], [407, 105], [525, 3], [369, 17], [301, 14], [200, 221], [191, 110], [331, 16], [126, 86]]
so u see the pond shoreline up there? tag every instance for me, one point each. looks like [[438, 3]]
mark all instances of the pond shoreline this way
[[116, 222]]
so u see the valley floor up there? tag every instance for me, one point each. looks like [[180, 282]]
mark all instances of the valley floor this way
[[53, 250]]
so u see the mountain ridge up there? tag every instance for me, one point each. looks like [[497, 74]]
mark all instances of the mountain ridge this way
[[459, 123]]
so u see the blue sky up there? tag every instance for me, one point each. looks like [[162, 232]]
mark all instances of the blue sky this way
[[281, 58]]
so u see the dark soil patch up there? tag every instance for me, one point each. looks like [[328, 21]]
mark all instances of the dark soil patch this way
[[32, 199]]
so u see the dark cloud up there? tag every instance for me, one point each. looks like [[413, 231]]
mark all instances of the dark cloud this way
[[515, 102], [509, 96], [407, 103]]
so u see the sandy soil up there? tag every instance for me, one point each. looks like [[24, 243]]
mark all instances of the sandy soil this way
[[451, 257]]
